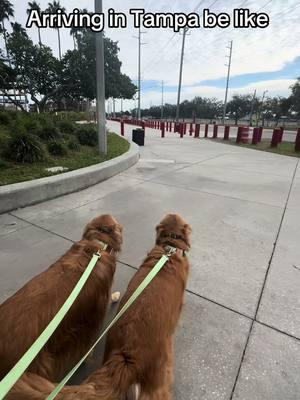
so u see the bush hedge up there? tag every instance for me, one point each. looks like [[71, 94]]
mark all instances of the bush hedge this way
[[87, 135], [24, 147], [57, 148]]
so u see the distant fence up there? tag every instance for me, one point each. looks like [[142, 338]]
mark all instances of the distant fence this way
[[243, 134]]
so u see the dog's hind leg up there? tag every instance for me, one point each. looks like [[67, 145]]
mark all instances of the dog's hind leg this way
[[163, 392]]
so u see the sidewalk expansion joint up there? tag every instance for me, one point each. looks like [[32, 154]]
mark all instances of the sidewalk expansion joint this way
[[264, 283]]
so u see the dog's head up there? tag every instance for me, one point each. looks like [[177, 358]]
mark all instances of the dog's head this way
[[174, 231], [105, 228]]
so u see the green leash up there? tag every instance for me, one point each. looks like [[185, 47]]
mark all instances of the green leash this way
[[18, 370], [134, 296]]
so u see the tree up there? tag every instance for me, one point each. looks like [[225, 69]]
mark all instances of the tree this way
[[33, 5], [36, 70], [277, 108], [295, 97], [18, 28], [52, 9], [6, 11], [79, 70], [77, 32], [239, 106]]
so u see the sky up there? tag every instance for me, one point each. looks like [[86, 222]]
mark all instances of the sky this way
[[262, 58]]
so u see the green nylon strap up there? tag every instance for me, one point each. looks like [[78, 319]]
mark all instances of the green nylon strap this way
[[134, 296], [17, 371]]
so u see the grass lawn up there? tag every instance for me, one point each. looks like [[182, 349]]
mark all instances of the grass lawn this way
[[17, 172], [286, 148]]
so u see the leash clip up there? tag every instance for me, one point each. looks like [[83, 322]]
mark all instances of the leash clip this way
[[171, 251]]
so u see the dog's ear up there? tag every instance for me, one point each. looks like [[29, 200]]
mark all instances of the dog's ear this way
[[159, 229], [187, 230]]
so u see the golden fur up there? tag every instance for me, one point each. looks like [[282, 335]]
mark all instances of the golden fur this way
[[138, 359], [28, 312]]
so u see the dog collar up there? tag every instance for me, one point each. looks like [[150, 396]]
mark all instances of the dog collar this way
[[105, 247]]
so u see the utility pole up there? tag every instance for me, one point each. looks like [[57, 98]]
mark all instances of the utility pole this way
[[227, 82], [121, 106], [252, 107], [100, 83], [180, 73], [139, 37], [162, 99], [261, 106]]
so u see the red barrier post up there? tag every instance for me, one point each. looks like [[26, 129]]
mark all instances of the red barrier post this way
[[260, 133], [197, 130], [162, 126], [242, 135], [297, 144], [181, 129], [255, 136], [226, 132], [215, 133], [206, 130], [191, 129], [276, 137], [184, 127], [239, 134], [122, 128], [281, 134]]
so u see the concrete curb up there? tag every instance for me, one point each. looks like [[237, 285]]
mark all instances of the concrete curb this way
[[31, 192]]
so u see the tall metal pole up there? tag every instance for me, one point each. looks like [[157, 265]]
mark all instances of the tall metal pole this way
[[162, 99], [139, 75], [261, 107], [227, 83], [100, 84], [252, 107], [180, 73]]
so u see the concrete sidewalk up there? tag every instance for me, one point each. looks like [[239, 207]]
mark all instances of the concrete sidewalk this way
[[239, 337]]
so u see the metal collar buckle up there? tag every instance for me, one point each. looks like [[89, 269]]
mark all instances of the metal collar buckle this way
[[171, 250]]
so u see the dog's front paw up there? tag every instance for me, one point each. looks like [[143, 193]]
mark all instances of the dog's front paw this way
[[115, 297]]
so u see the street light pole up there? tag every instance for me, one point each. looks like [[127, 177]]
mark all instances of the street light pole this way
[[100, 84], [180, 74], [162, 99]]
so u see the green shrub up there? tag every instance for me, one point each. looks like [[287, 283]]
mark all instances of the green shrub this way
[[73, 144], [3, 164], [57, 148], [4, 118], [24, 147], [49, 132], [66, 126], [87, 135], [32, 126]]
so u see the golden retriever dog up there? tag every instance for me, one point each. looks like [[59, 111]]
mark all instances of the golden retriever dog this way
[[27, 313], [138, 361]]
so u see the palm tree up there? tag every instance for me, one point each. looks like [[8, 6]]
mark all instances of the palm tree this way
[[52, 9], [6, 11], [18, 28], [33, 5], [77, 32]]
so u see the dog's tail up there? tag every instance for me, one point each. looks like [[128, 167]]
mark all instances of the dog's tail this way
[[30, 387], [116, 380], [34, 387]]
